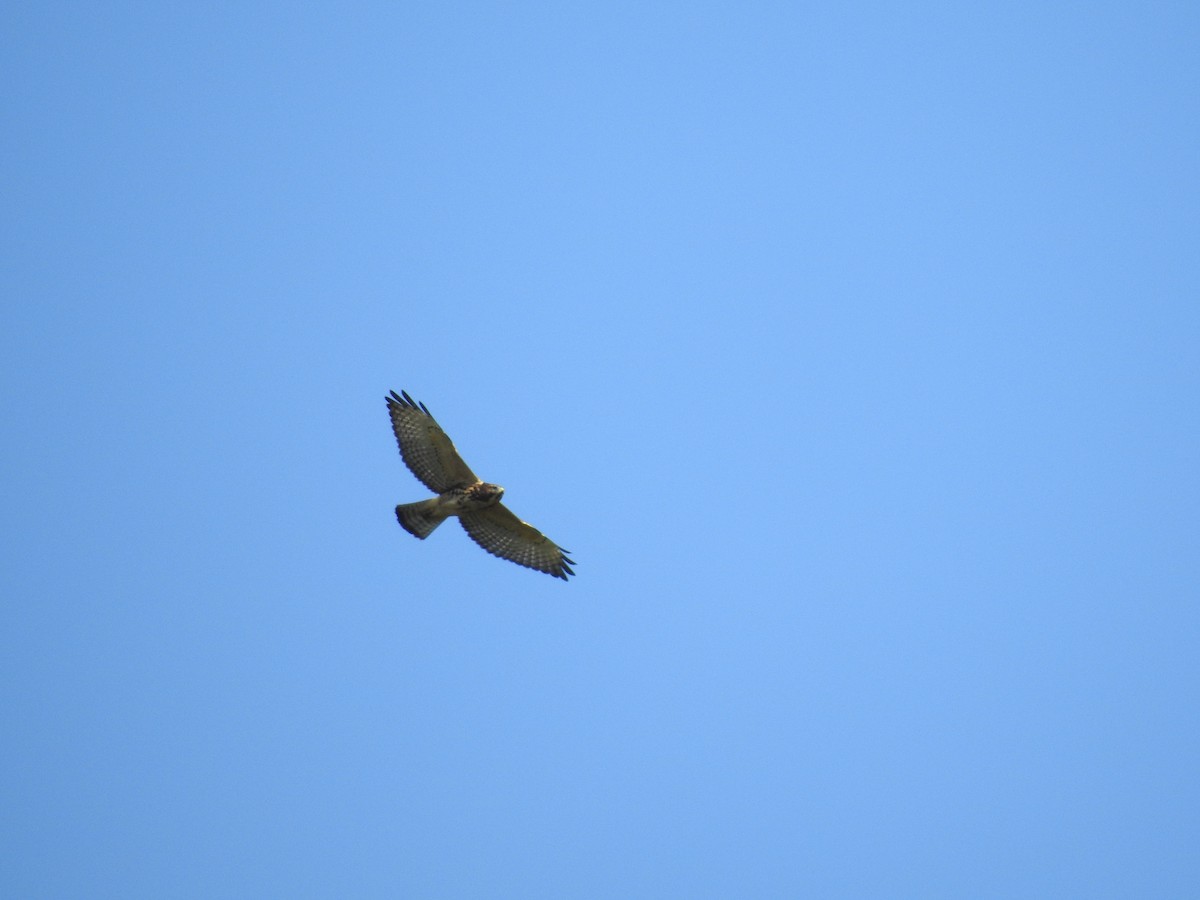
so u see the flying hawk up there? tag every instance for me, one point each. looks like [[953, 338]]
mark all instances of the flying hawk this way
[[430, 455]]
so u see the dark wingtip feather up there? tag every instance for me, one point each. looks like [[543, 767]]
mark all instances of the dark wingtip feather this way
[[404, 400]]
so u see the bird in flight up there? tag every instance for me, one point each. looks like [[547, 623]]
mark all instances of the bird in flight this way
[[430, 455]]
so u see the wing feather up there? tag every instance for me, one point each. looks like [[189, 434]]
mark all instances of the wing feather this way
[[498, 531], [427, 451]]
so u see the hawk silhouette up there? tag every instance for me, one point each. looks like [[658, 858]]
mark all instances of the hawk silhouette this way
[[430, 455]]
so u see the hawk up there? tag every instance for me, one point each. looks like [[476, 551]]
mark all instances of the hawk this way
[[430, 455]]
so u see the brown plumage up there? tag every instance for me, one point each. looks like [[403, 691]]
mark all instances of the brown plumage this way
[[430, 455]]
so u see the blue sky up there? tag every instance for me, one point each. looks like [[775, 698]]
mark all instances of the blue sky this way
[[852, 350]]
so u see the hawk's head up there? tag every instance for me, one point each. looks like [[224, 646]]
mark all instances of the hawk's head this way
[[486, 493]]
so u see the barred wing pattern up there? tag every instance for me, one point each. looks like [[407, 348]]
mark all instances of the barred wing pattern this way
[[427, 451], [498, 531]]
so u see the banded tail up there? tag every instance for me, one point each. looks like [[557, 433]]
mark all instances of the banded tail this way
[[419, 519]]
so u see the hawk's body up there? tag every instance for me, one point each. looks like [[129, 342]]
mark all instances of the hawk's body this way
[[431, 456]]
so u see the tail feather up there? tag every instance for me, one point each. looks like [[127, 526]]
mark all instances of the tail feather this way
[[419, 519]]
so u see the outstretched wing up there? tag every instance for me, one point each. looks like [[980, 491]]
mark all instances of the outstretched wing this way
[[427, 452], [502, 534]]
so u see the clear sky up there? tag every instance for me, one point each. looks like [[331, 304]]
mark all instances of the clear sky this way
[[854, 351]]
